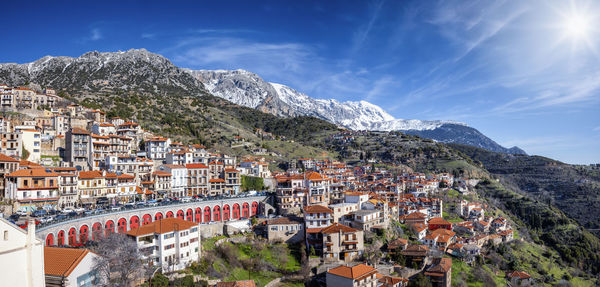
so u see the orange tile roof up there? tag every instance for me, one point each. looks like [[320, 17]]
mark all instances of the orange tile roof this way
[[336, 227], [356, 272], [90, 174], [216, 180], [164, 225], [60, 261], [6, 158], [438, 220], [195, 165], [317, 209], [519, 274], [32, 172], [79, 131]]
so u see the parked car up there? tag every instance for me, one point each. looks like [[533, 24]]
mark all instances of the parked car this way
[[21, 212], [46, 219], [13, 218], [99, 210], [67, 210], [72, 214], [79, 210], [40, 213], [60, 217], [88, 212], [115, 208], [186, 199]]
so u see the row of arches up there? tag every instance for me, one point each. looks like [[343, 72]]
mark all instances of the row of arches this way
[[200, 215]]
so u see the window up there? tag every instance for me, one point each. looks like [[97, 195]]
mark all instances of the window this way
[[5, 235]]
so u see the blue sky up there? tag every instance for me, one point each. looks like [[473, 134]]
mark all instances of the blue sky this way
[[524, 73]]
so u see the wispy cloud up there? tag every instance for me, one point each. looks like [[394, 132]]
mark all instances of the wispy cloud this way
[[361, 35], [150, 36], [96, 34]]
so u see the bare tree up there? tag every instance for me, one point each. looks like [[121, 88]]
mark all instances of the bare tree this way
[[119, 262]]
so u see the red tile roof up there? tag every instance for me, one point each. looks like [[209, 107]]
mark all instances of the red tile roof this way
[[317, 209], [357, 272], [164, 225], [336, 227], [6, 158], [62, 261]]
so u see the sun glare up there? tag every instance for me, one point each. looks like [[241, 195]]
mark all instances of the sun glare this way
[[577, 26]]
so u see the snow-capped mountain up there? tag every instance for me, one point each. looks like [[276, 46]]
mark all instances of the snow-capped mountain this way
[[140, 71], [136, 69], [248, 89]]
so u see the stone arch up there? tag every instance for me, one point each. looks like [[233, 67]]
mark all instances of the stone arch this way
[[199, 215], [158, 216], [189, 215], [49, 239], [217, 213], [169, 214], [84, 234], [96, 231], [245, 210], [109, 228], [235, 211], [122, 225], [206, 217], [134, 222], [180, 214], [254, 209], [146, 219], [226, 212], [61, 238], [72, 235]]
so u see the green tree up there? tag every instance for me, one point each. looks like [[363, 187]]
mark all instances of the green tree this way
[[420, 281], [160, 280]]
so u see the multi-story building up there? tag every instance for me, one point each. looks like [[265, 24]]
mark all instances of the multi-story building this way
[[170, 243], [100, 150], [78, 148], [7, 166], [32, 188], [341, 242], [91, 184], [283, 229], [32, 143], [157, 148], [360, 275], [162, 182], [366, 219], [11, 144], [197, 179], [318, 188], [178, 179], [317, 216], [232, 181], [68, 191]]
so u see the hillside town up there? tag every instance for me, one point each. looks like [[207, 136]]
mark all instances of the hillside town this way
[[361, 224]]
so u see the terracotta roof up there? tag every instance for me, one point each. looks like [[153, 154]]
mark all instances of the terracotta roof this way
[[90, 174], [62, 261], [32, 172], [164, 225], [216, 180], [389, 280], [284, 220], [79, 131], [317, 209], [6, 158], [241, 283], [356, 272], [161, 173], [416, 215], [438, 220], [196, 165], [336, 227], [439, 267]]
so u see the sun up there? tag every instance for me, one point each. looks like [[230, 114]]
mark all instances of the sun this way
[[577, 26]]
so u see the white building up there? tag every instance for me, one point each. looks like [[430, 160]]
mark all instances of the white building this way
[[32, 142], [178, 178], [21, 256], [317, 216], [69, 267], [157, 148], [171, 243], [360, 275]]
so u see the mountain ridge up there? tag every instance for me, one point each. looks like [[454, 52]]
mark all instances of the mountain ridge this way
[[146, 72]]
